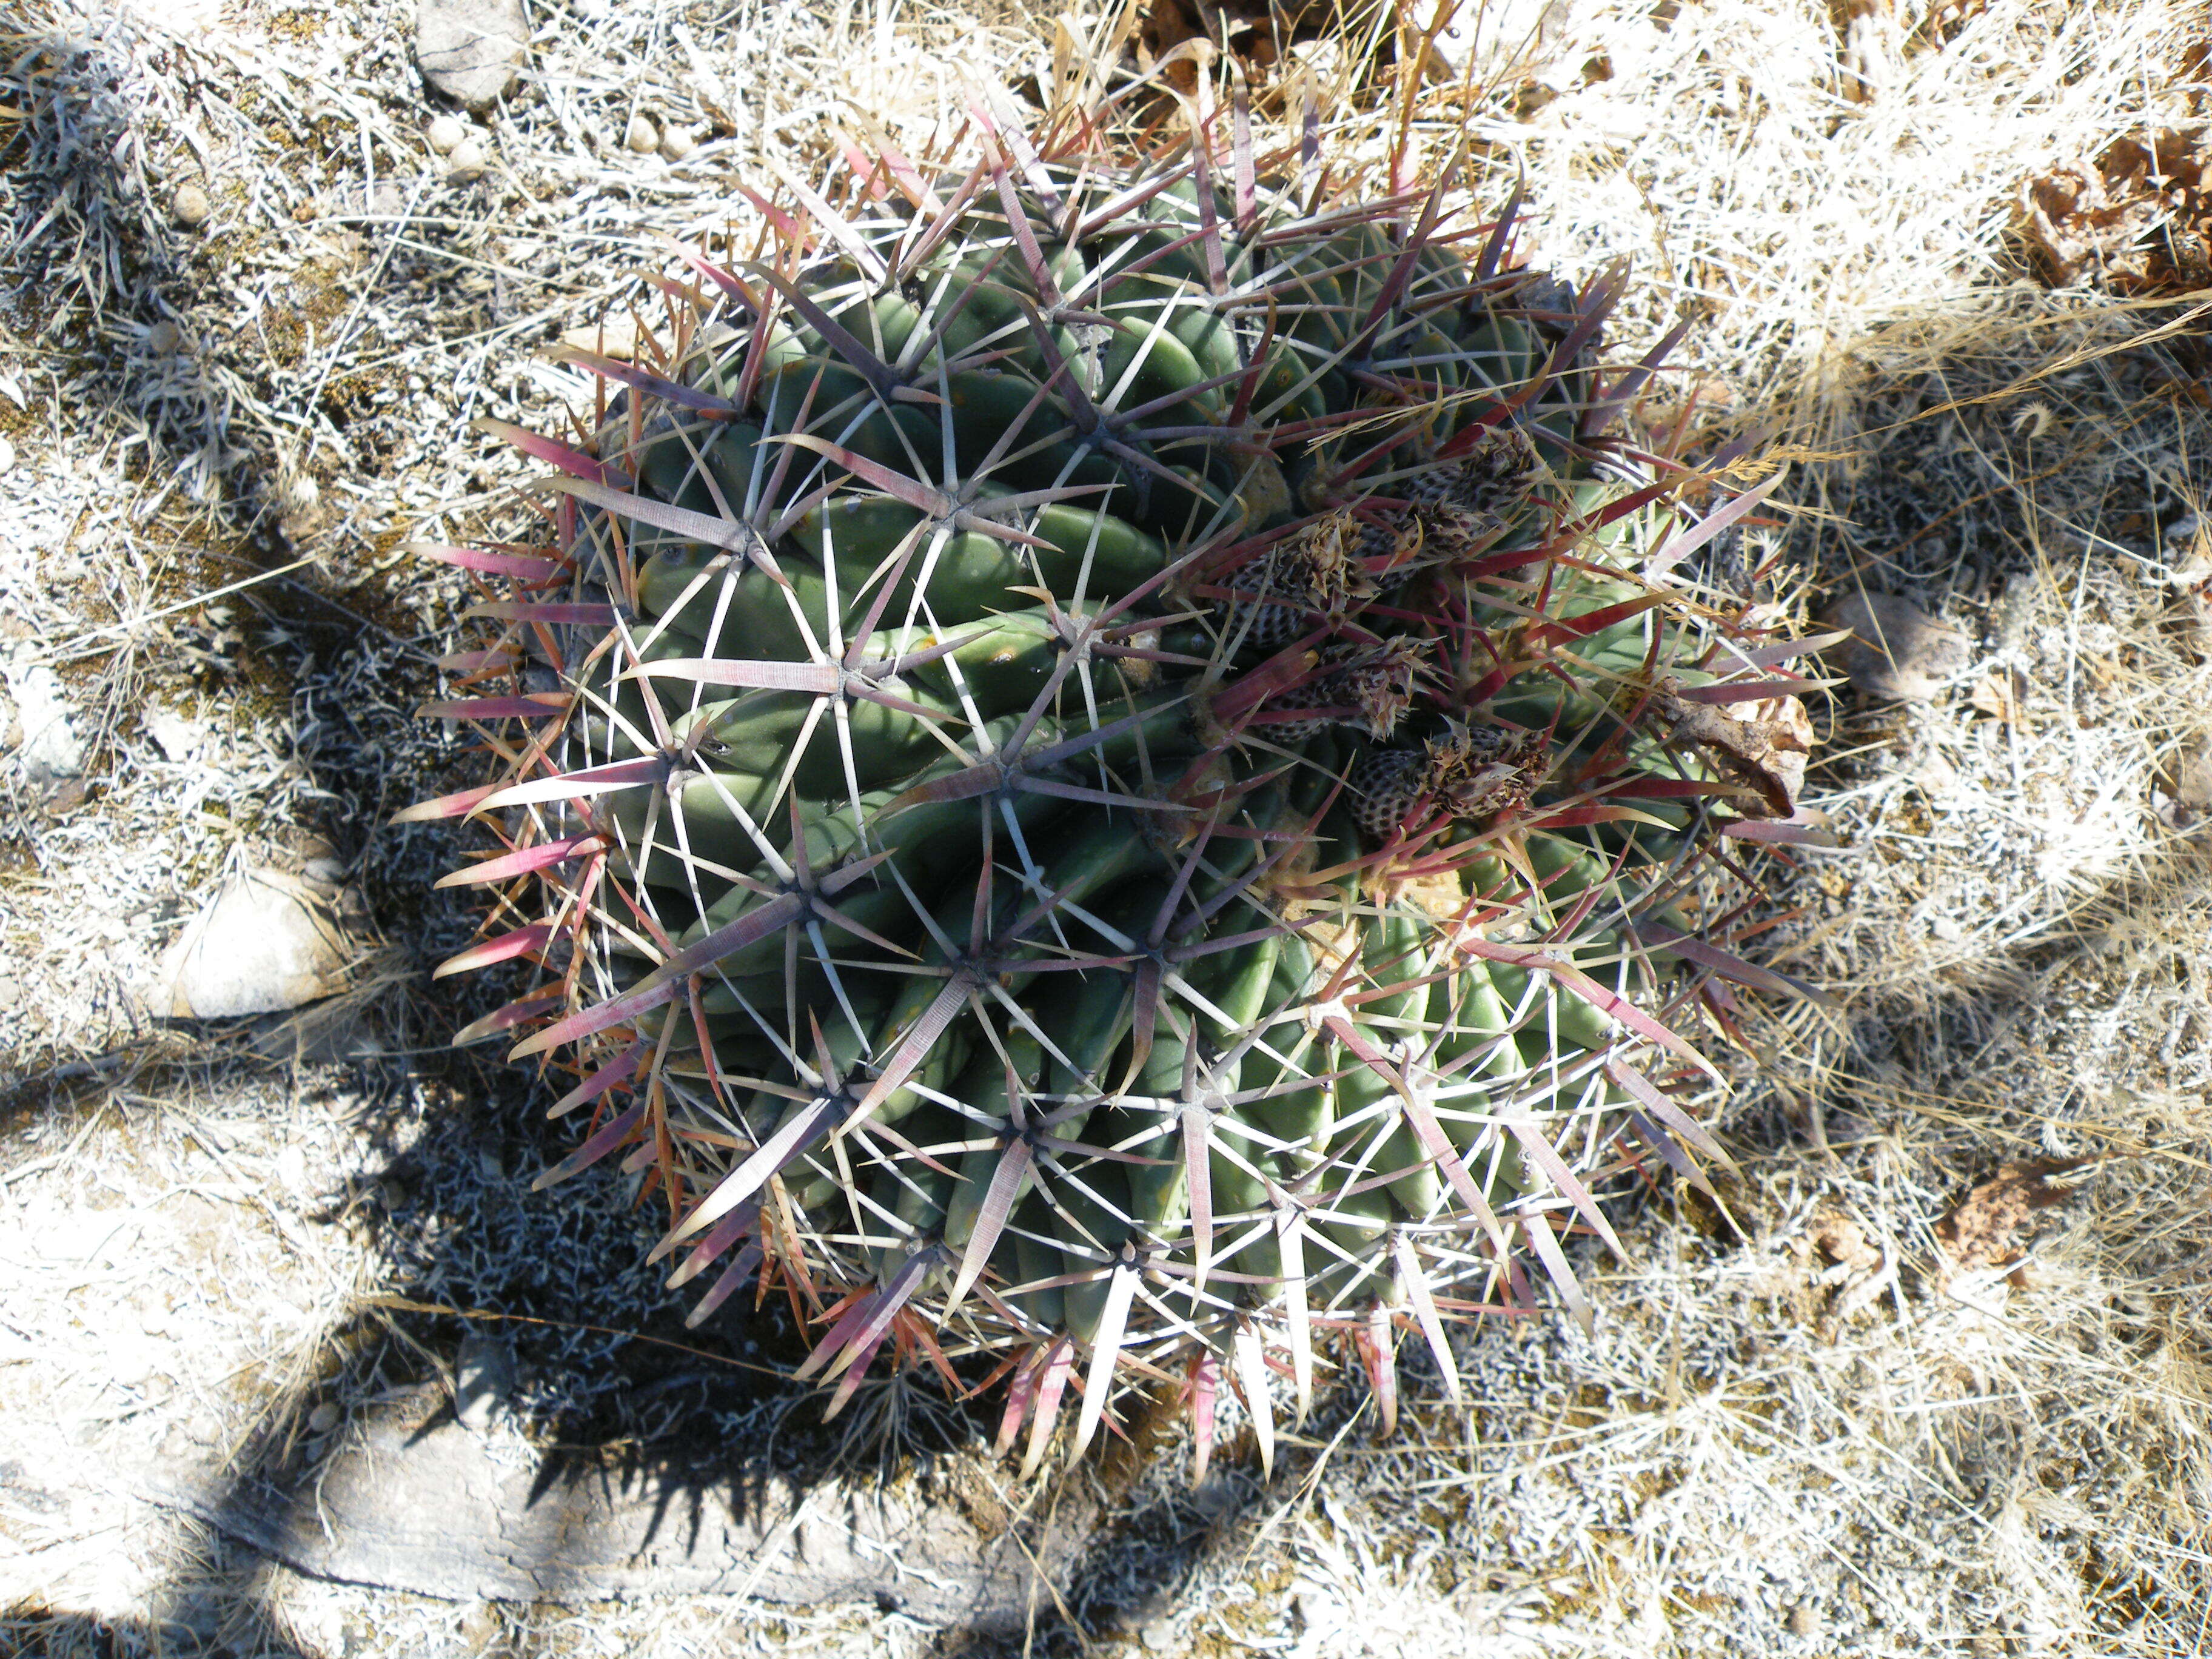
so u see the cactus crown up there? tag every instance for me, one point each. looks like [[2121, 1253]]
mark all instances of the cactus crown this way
[[1101, 778]]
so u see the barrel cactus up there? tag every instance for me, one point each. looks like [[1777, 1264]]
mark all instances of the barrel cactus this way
[[1107, 776]]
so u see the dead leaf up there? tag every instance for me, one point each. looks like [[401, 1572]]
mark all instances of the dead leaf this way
[[1857, 1264], [1978, 1232], [1999, 694], [2135, 215], [1256, 31], [615, 336], [1866, 40], [1761, 747], [1844, 1242]]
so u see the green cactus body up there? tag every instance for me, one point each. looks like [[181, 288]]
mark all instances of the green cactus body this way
[[1088, 709]]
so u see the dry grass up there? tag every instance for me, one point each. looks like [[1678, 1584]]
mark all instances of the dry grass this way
[[1819, 1436]]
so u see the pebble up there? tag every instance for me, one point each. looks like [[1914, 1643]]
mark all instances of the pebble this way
[[483, 1375], [290, 1167], [466, 164], [50, 752], [643, 137], [1896, 649], [479, 1626], [324, 1418], [469, 51], [261, 942], [445, 133], [677, 143], [190, 207], [179, 737], [165, 338]]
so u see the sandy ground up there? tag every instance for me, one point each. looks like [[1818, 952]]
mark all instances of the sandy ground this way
[[1938, 1382]]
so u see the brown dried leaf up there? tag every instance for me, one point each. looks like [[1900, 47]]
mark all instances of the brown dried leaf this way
[[1867, 41], [2136, 215], [1844, 1242], [1999, 694], [1979, 1229], [1256, 31], [613, 336], [1761, 747], [1859, 1269], [2192, 785]]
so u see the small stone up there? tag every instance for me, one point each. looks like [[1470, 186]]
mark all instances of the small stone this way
[[642, 136], [66, 797], [178, 737], [290, 1168], [324, 1418], [1896, 649], [165, 338], [50, 751], [479, 1626], [466, 164], [677, 143], [483, 1376], [470, 50], [264, 942], [444, 133], [324, 872], [190, 207], [1804, 1620]]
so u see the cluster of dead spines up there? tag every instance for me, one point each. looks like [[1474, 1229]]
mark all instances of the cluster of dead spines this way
[[821, 1113]]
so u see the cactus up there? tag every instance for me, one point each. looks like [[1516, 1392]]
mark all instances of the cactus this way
[[1103, 779]]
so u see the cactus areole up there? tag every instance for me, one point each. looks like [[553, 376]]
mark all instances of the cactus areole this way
[[1118, 774]]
